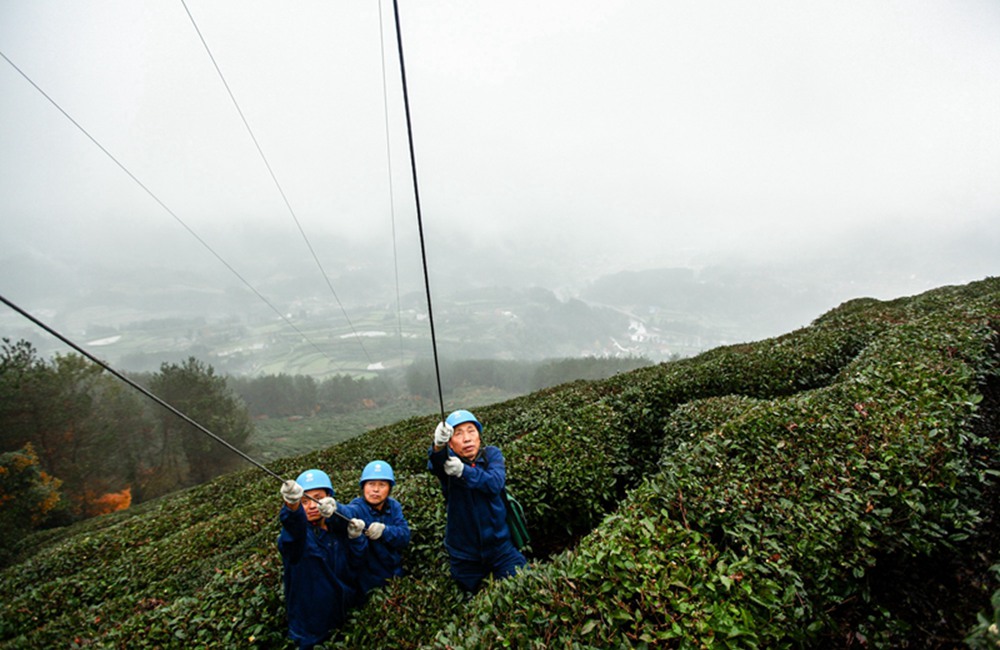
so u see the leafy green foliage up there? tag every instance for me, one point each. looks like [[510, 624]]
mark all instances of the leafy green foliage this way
[[803, 491], [27, 496], [85, 428], [91, 432], [986, 633], [195, 390]]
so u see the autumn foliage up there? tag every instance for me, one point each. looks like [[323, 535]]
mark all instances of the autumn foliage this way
[[109, 502], [107, 446], [27, 495]]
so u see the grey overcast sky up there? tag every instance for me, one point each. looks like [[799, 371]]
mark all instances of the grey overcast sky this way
[[620, 135]]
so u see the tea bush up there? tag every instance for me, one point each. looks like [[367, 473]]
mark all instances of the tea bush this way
[[792, 492], [795, 502], [804, 359]]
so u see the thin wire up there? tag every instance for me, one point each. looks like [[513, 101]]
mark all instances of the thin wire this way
[[135, 385], [156, 398], [416, 198], [168, 210], [274, 178], [392, 203]]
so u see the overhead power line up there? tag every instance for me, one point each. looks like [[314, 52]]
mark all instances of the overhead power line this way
[[392, 193], [166, 208], [274, 178], [416, 199]]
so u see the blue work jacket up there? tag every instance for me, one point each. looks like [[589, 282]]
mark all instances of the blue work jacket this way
[[384, 557], [477, 517], [320, 575]]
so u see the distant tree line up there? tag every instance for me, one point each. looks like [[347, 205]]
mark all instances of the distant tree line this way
[[519, 377], [286, 395]]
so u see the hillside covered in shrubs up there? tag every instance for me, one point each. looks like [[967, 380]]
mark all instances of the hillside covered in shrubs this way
[[833, 487]]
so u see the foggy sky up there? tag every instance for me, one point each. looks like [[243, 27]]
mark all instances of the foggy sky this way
[[573, 138]]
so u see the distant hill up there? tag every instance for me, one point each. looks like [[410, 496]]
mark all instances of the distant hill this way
[[150, 315], [238, 335], [833, 487], [722, 304]]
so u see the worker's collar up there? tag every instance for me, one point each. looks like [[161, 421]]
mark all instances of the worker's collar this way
[[479, 457]]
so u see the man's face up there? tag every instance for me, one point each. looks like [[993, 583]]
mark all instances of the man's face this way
[[465, 441], [311, 507], [376, 492]]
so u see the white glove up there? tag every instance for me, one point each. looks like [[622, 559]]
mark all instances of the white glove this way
[[291, 492], [453, 466], [354, 528], [327, 506], [442, 434], [375, 530]]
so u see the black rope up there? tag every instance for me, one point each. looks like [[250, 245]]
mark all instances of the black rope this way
[[156, 398], [416, 198]]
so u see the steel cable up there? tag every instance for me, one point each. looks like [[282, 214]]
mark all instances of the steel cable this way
[[416, 198], [153, 396]]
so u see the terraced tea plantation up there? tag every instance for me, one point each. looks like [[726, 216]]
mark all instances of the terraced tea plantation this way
[[833, 487]]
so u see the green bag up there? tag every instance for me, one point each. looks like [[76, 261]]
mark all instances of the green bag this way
[[516, 521]]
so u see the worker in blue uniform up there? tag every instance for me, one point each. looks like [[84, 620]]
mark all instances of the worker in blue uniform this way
[[472, 480], [386, 528], [321, 557]]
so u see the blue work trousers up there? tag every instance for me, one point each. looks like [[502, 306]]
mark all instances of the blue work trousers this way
[[501, 561]]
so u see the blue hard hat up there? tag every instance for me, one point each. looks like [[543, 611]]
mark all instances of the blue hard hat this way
[[315, 479], [378, 470], [460, 417]]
